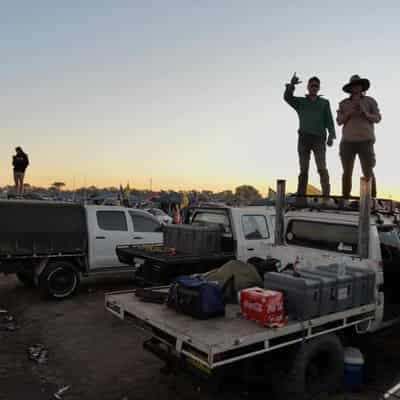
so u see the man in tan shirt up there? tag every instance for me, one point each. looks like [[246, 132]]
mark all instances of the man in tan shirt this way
[[358, 114]]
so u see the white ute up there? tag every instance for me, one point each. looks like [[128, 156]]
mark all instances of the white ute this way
[[52, 245], [305, 358]]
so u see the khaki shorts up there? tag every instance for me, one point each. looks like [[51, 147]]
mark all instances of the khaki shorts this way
[[19, 175]]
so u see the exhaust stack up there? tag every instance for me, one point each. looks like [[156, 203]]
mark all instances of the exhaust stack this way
[[364, 217], [280, 211]]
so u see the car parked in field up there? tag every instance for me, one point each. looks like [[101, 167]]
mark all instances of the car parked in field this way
[[52, 245], [160, 215]]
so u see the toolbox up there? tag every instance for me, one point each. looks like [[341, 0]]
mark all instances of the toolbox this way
[[328, 291], [191, 239], [345, 296], [301, 294], [363, 282]]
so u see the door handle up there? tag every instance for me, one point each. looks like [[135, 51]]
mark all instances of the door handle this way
[[250, 249], [100, 237], [137, 237]]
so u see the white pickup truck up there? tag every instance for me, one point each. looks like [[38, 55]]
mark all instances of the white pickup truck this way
[[52, 244], [305, 358], [246, 234], [325, 237]]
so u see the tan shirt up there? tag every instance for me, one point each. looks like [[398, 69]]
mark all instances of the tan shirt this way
[[359, 126]]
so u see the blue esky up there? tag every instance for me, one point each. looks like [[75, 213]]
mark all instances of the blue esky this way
[[188, 93]]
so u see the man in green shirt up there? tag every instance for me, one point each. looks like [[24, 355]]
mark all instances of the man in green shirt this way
[[315, 118]]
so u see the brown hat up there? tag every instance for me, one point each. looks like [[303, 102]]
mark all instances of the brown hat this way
[[356, 80]]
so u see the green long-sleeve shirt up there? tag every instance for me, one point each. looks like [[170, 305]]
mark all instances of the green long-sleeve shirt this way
[[315, 116]]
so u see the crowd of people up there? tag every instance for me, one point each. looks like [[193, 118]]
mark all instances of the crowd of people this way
[[357, 114]]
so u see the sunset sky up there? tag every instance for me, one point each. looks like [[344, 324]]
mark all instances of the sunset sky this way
[[186, 92]]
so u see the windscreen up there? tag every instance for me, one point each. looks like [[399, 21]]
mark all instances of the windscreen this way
[[320, 235], [212, 219]]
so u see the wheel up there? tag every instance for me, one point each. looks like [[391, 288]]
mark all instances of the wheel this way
[[26, 277], [59, 280], [316, 370]]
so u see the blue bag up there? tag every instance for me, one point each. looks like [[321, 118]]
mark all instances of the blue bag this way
[[196, 297]]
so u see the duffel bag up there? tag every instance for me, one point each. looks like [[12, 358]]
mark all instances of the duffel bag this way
[[196, 297]]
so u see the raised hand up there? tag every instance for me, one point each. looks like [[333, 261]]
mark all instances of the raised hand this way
[[295, 80]]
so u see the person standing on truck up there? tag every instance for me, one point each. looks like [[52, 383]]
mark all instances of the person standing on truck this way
[[315, 119], [358, 114], [20, 164]]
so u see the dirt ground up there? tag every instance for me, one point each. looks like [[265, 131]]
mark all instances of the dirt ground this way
[[101, 357]]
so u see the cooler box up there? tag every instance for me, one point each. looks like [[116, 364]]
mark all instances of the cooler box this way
[[353, 369], [301, 295], [328, 287], [363, 283], [344, 287], [263, 306]]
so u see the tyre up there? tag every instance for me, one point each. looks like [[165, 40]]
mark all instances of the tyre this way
[[316, 370], [59, 280], [26, 277]]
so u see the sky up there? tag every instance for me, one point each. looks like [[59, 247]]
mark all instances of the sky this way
[[186, 93]]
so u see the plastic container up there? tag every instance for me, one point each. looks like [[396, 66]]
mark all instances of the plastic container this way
[[328, 300], [363, 283], [344, 288], [196, 240], [301, 295], [353, 369]]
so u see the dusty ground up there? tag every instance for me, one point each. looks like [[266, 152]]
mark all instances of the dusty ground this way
[[102, 357]]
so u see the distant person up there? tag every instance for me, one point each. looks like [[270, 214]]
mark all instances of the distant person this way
[[358, 114], [315, 119], [176, 215], [20, 164]]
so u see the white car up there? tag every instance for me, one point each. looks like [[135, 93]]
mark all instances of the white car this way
[[162, 217]]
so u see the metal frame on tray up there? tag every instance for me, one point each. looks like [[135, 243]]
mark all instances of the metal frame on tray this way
[[379, 206]]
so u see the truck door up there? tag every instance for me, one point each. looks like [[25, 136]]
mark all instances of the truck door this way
[[146, 229], [110, 228], [256, 236]]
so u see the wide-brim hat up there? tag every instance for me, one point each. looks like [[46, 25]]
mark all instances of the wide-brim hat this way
[[356, 80]]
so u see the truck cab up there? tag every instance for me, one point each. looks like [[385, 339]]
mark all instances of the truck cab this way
[[110, 226], [320, 237], [245, 234], [248, 232]]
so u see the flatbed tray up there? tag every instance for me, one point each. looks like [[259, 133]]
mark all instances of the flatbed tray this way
[[133, 252], [218, 341]]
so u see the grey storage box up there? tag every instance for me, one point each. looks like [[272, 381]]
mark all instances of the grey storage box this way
[[301, 295], [328, 291], [345, 295], [363, 283], [196, 240]]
